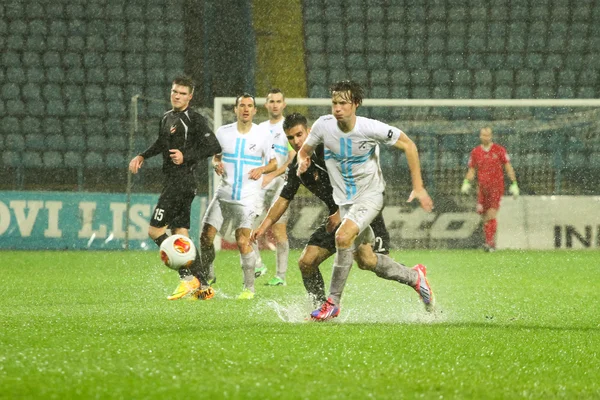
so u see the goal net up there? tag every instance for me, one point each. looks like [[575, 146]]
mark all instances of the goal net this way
[[554, 146]]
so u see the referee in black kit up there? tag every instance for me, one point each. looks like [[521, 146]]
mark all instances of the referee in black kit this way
[[184, 139]]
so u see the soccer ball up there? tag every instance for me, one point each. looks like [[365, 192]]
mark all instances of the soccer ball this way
[[177, 251]]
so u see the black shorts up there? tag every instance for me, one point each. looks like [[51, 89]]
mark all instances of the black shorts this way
[[325, 240], [173, 208], [321, 238]]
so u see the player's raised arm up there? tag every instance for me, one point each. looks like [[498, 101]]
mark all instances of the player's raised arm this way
[[275, 212], [409, 147], [304, 158], [466, 186]]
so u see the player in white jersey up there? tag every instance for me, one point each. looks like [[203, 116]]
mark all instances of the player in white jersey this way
[[274, 182], [246, 156], [353, 167]]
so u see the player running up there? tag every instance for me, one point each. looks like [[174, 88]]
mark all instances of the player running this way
[[184, 139], [488, 159], [353, 166], [273, 183], [246, 157], [321, 244]]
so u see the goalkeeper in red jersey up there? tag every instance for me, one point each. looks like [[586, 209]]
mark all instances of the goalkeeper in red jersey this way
[[488, 159]]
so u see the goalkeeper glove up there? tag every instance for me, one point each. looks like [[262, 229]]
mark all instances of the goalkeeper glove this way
[[466, 186], [514, 189]]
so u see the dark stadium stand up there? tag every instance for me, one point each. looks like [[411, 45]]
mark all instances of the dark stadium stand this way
[[468, 50], [69, 71]]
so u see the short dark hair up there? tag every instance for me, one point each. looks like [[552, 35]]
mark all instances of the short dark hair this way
[[275, 91], [245, 96], [186, 81], [294, 119], [357, 93]]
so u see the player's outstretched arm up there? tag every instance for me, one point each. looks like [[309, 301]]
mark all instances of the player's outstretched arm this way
[[514, 187], [409, 147], [304, 155], [256, 173], [466, 186], [218, 164], [275, 212], [135, 164]]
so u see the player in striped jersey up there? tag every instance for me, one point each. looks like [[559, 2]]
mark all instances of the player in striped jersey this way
[[273, 184], [246, 156], [353, 167]]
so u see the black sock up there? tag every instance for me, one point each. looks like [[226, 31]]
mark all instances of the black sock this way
[[197, 270], [160, 239], [315, 286]]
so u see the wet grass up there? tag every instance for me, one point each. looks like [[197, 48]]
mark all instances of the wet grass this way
[[98, 325]]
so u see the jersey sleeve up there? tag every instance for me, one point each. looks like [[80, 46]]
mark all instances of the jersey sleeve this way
[[292, 182], [315, 137], [504, 157], [471, 163], [204, 143], [157, 146], [384, 133]]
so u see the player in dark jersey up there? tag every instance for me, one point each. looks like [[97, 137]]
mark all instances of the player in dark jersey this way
[[488, 159], [321, 244], [184, 140]]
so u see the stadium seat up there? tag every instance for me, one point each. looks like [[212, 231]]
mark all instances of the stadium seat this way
[[115, 42], [52, 159], [96, 108], [503, 92], [35, 141], [93, 160], [58, 26], [55, 43], [55, 74], [76, 43], [116, 76], [567, 77], [52, 91], [14, 141], [36, 43], [11, 91], [420, 77], [31, 58], [524, 92], [456, 44], [441, 92], [16, 75], [524, 77], [55, 142], [450, 159], [75, 76], [546, 77], [76, 108], [15, 42], [16, 108], [565, 92], [586, 92], [75, 143], [52, 126], [588, 77], [12, 159], [32, 159], [33, 124], [55, 108], [72, 60], [534, 60]]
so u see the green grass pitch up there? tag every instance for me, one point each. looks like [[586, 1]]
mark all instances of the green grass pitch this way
[[509, 325]]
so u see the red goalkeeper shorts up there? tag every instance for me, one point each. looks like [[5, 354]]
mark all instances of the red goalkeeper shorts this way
[[489, 197]]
